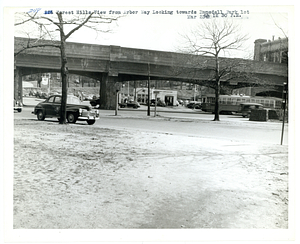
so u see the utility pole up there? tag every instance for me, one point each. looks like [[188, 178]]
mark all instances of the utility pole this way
[[148, 110], [49, 86], [128, 92], [117, 102], [155, 92], [134, 90]]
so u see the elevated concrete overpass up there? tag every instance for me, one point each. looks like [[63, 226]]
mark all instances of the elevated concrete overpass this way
[[113, 65]]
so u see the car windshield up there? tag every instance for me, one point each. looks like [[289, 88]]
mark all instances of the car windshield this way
[[73, 100]]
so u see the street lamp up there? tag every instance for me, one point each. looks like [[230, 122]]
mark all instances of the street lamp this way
[[284, 104]]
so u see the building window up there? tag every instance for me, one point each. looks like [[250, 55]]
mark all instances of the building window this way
[[284, 57]]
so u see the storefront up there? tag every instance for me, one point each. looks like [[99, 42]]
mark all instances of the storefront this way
[[167, 96]]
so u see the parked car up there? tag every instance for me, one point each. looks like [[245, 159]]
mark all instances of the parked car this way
[[32, 92], [18, 105], [90, 97], [86, 97], [50, 108], [95, 101], [159, 103], [245, 108], [194, 104], [198, 106], [41, 95], [130, 104], [180, 102]]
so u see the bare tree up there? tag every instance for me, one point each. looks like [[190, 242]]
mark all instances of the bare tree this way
[[53, 30], [216, 38]]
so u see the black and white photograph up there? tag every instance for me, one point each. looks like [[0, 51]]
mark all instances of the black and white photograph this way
[[157, 123]]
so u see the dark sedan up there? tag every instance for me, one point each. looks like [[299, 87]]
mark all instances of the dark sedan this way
[[158, 103], [95, 102], [246, 108], [194, 105], [130, 104], [50, 108]]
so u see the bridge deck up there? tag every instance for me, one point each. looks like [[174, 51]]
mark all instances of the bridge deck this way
[[131, 62]]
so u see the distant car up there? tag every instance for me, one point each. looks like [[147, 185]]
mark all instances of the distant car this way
[[130, 104], [95, 101], [245, 108], [194, 104], [180, 102], [18, 105], [86, 97], [42, 95], [50, 108], [90, 97], [32, 92], [198, 106], [159, 103]]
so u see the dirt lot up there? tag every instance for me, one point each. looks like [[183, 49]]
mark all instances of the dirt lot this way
[[84, 177]]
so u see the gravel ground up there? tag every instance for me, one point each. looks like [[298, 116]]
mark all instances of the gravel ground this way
[[83, 177]]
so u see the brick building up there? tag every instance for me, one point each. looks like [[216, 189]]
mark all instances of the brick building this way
[[271, 51], [268, 51]]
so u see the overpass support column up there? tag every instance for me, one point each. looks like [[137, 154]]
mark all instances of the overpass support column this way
[[108, 91], [18, 86]]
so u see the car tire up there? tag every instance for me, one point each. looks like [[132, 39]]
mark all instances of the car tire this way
[[40, 115], [91, 122], [19, 110], [71, 117]]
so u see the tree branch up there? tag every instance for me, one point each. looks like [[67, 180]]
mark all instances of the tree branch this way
[[78, 27]]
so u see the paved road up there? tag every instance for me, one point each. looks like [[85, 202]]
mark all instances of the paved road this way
[[187, 122], [246, 132]]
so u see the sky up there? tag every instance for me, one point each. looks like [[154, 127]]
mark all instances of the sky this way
[[160, 31]]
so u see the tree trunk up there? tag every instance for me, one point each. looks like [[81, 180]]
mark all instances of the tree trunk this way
[[64, 74], [217, 93], [64, 71], [64, 90], [217, 89]]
